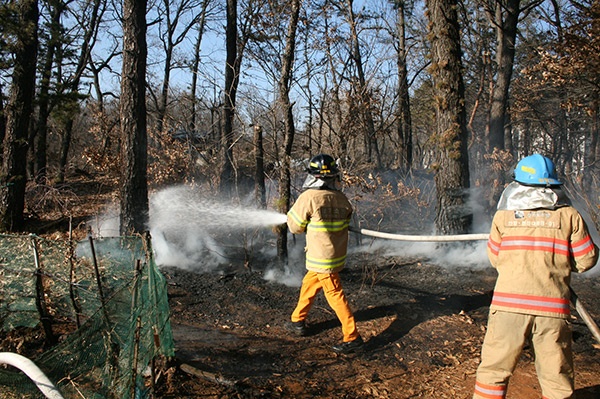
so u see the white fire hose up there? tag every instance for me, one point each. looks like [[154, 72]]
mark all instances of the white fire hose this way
[[404, 237], [33, 372], [590, 323]]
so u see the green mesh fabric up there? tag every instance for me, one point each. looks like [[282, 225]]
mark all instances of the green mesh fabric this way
[[104, 299]]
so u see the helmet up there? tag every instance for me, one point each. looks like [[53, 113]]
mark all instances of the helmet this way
[[536, 170], [323, 165]]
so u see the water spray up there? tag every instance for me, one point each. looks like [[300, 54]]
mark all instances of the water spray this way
[[186, 225]]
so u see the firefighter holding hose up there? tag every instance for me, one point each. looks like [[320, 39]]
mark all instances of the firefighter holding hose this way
[[323, 212], [536, 240]]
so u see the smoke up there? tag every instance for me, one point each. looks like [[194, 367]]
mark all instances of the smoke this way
[[293, 272], [105, 224], [465, 254]]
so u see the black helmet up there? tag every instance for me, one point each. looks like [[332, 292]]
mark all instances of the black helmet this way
[[323, 165]]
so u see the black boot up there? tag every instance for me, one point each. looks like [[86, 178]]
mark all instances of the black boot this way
[[350, 346], [297, 327]]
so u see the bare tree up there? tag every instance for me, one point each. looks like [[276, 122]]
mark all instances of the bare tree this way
[[134, 140], [176, 18], [89, 21], [452, 168], [504, 17], [231, 83], [404, 124], [13, 178], [201, 27], [285, 81], [363, 88], [38, 135]]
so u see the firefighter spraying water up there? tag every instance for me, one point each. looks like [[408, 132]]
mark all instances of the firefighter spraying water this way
[[323, 212]]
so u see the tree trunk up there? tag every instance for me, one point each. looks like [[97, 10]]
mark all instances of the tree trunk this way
[[259, 158], [161, 110], [13, 177], [452, 167], [365, 94], [285, 181], [227, 172], [134, 140], [38, 136], [2, 123], [505, 19], [591, 151], [404, 152], [196, 64]]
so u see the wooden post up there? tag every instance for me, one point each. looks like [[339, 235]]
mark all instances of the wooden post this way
[[136, 350], [40, 297]]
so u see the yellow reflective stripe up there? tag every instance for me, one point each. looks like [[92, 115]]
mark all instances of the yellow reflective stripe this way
[[326, 263], [329, 226], [300, 222]]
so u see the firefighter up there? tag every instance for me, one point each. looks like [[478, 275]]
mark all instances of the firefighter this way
[[323, 212], [536, 240]]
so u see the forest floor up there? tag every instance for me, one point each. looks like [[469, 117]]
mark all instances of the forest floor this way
[[423, 322], [423, 325]]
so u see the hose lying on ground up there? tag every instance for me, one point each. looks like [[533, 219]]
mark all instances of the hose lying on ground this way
[[33, 372], [581, 310], [404, 237]]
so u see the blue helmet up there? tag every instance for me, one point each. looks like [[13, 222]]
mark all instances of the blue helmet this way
[[536, 170]]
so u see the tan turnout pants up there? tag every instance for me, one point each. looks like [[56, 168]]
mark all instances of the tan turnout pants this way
[[332, 288], [506, 335]]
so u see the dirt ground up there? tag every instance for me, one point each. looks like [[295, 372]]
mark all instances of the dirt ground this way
[[424, 325]]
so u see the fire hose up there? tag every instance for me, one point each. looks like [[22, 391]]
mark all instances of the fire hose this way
[[404, 237], [33, 372], [581, 310]]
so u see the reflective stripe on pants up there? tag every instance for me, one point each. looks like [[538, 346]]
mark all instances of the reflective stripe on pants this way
[[507, 333]]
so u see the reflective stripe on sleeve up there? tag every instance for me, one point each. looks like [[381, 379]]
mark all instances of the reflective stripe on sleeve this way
[[582, 247], [531, 302], [493, 246], [297, 219]]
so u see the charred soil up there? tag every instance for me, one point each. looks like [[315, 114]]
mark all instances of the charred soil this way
[[423, 325]]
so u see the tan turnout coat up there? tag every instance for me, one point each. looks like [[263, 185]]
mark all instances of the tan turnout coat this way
[[324, 214], [535, 252]]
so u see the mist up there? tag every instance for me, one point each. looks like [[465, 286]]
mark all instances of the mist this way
[[466, 254]]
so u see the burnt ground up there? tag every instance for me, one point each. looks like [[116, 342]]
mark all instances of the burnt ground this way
[[424, 325]]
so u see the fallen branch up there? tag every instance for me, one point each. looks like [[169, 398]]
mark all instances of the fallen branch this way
[[206, 375]]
